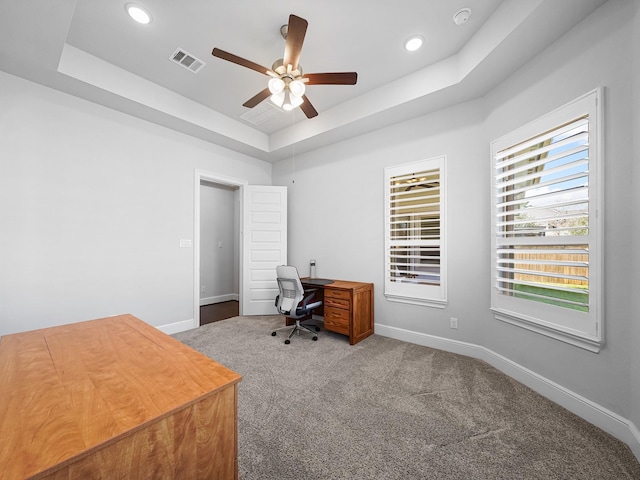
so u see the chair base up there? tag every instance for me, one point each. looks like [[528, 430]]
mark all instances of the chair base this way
[[298, 327]]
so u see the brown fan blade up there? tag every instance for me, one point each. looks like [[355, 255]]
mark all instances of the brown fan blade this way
[[296, 31], [256, 99], [307, 108], [341, 78], [230, 57]]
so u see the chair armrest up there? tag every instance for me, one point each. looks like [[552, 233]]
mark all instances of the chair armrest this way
[[314, 305], [308, 295]]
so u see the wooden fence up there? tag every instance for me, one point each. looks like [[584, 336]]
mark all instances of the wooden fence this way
[[560, 270]]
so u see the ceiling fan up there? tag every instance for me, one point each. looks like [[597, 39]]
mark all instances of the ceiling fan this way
[[287, 84]]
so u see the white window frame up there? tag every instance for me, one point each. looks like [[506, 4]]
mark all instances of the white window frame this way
[[579, 328], [418, 294]]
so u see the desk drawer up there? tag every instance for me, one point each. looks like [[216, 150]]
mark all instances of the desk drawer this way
[[337, 294], [337, 303], [336, 320]]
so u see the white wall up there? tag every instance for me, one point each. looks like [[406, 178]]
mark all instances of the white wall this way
[[596, 53], [93, 204], [219, 243], [336, 208], [342, 187]]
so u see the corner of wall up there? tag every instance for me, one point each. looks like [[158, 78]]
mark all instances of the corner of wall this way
[[635, 228]]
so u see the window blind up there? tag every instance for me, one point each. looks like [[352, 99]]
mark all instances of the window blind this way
[[415, 228], [542, 208], [415, 260]]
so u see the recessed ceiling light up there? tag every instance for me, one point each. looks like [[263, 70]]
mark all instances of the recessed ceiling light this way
[[138, 13], [461, 16], [414, 43]]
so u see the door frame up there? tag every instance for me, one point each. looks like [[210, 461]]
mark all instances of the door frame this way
[[200, 175]]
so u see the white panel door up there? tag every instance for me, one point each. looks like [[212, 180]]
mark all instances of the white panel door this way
[[264, 247]]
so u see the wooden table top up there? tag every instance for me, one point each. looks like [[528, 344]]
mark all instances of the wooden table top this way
[[64, 391], [341, 284]]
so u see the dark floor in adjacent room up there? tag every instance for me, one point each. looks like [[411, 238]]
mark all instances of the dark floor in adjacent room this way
[[218, 311]]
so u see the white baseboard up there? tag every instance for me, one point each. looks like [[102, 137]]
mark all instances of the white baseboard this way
[[176, 327], [610, 422], [220, 298]]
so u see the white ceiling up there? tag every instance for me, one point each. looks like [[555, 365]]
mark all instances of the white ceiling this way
[[92, 49]]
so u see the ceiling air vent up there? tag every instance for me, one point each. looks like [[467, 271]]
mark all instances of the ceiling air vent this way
[[186, 60], [261, 113]]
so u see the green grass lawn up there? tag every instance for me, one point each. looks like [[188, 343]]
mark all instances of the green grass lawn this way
[[556, 297]]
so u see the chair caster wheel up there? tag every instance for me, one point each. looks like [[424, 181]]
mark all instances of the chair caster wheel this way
[[317, 329], [315, 338], [287, 341], [273, 334]]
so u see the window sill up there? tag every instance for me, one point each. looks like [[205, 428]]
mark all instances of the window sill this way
[[588, 343], [425, 302]]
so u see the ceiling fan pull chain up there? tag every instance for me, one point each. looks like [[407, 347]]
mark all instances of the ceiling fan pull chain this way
[[293, 148]]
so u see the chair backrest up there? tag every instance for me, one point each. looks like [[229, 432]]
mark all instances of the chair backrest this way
[[291, 291]]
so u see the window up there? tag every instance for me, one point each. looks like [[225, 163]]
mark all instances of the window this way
[[547, 248], [415, 269]]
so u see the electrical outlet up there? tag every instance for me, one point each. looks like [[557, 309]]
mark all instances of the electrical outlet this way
[[453, 322], [203, 289]]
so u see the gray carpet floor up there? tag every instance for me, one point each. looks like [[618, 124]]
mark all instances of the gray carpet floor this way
[[386, 409]]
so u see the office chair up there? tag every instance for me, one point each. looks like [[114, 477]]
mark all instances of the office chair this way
[[293, 301]]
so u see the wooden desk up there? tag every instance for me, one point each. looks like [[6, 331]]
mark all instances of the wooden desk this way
[[347, 307], [114, 398]]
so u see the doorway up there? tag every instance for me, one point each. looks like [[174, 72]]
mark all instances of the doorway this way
[[216, 247], [262, 243], [219, 252]]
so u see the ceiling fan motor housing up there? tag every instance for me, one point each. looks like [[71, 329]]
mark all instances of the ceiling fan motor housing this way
[[285, 70]]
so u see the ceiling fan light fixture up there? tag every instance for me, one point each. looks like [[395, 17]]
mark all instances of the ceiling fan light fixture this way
[[296, 100], [277, 99], [286, 94], [138, 13], [413, 43], [287, 105], [297, 87], [276, 85], [288, 101]]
